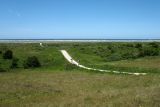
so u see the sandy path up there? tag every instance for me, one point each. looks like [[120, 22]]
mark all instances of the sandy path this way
[[72, 61]]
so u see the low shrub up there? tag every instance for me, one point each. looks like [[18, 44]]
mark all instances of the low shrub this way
[[14, 63], [129, 45], [130, 55], [75, 45], [8, 54], [154, 44], [2, 70], [31, 62], [69, 66], [138, 45], [115, 57], [148, 51], [82, 49]]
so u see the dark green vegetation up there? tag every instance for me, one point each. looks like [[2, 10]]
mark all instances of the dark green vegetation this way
[[8, 54], [14, 63], [120, 51], [32, 62], [48, 57], [99, 55], [51, 81], [107, 55]]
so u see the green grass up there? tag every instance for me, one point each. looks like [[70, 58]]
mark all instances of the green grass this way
[[96, 55], [87, 56], [60, 84], [48, 56], [147, 62], [59, 88]]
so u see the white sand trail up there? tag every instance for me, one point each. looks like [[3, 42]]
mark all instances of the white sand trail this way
[[72, 61]]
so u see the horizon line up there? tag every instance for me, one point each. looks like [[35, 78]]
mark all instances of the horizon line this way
[[77, 39]]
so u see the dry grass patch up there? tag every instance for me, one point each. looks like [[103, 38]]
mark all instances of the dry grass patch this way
[[70, 89]]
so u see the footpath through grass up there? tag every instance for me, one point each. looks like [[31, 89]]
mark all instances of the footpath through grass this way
[[59, 84], [128, 57], [125, 56]]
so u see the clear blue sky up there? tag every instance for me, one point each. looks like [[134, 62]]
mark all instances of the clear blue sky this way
[[109, 19]]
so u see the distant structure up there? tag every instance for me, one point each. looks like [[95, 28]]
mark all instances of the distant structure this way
[[41, 44]]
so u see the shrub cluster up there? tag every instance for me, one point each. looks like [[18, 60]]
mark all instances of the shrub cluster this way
[[14, 63], [114, 57], [32, 62], [8, 54], [130, 55], [122, 51], [69, 66], [148, 51], [138, 45], [154, 44], [2, 70]]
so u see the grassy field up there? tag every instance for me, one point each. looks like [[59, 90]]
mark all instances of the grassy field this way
[[70, 89], [58, 84]]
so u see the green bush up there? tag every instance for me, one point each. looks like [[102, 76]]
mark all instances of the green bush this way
[[82, 49], [8, 54], [32, 62], [109, 47], [148, 51], [14, 63], [69, 66], [129, 45], [75, 45], [154, 44], [130, 55], [112, 48], [138, 45], [2, 70], [115, 57]]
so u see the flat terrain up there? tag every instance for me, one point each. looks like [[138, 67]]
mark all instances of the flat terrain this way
[[148, 62], [59, 84], [70, 89]]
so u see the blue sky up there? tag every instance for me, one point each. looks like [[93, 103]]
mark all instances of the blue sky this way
[[101, 19]]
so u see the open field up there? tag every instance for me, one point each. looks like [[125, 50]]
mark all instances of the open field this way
[[147, 62], [60, 84], [70, 89]]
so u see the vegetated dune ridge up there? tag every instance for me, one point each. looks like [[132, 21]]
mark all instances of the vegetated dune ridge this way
[[72, 61], [58, 83]]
